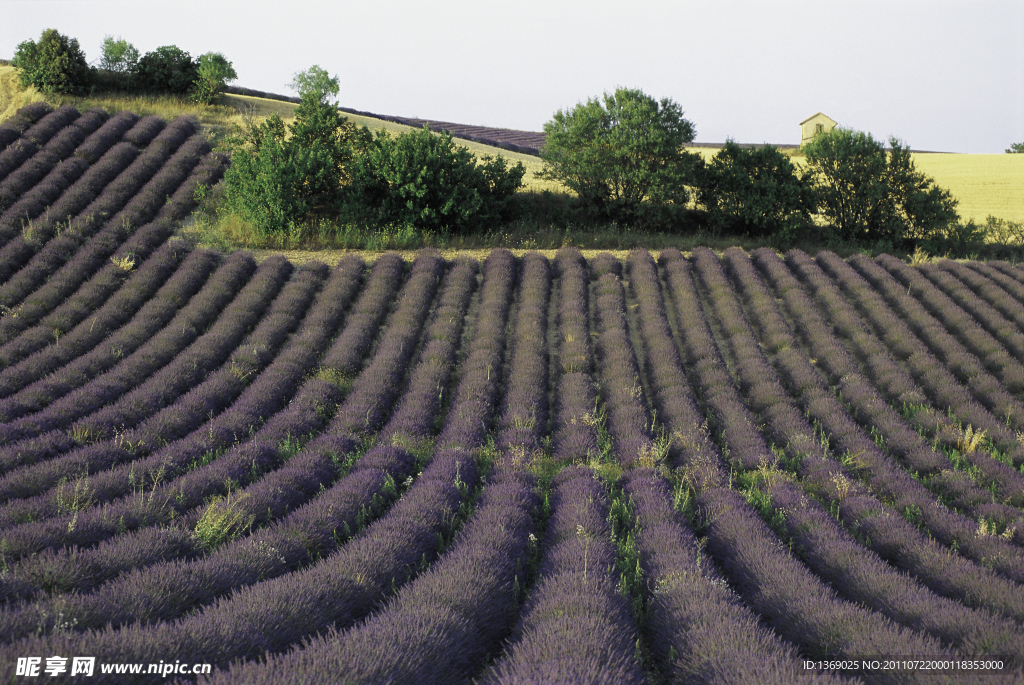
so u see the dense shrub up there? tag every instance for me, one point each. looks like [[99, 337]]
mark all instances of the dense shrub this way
[[214, 71], [873, 196], [755, 190], [276, 181], [56, 64], [622, 153], [167, 69], [426, 180]]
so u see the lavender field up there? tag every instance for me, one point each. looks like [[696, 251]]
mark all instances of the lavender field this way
[[702, 469]]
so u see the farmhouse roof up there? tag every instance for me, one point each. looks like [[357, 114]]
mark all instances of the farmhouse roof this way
[[819, 114]]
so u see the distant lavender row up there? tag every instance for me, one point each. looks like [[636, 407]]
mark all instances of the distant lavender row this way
[[138, 291], [524, 418], [12, 128], [733, 422], [130, 200], [627, 415], [865, 403], [574, 433], [52, 307], [25, 239], [690, 442], [144, 205], [472, 408], [50, 125], [347, 352], [988, 295], [968, 401], [58, 149], [369, 403], [129, 197], [15, 155], [958, 333], [418, 411], [1004, 282], [995, 311]]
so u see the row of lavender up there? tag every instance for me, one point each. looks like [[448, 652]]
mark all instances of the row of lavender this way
[[714, 393]]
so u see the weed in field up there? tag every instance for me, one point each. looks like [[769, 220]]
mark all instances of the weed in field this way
[[223, 520], [125, 263]]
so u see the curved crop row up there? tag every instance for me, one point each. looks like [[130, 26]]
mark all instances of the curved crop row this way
[[348, 584], [808, 388], [138, 290], [144, 402], [961, 338], [71, 366], [956, 487], [127, 483], [986, 391], [67, 196], [57, 150], [67, 297], [318, 525]]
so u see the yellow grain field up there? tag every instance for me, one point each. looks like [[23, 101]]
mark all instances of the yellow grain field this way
[[12, 96], [984, 184]]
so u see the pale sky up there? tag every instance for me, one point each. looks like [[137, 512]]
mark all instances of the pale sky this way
[[941, 75]]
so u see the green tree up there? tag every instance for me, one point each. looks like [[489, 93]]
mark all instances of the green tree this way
[[280, 177], [168, 69], [118, 56], [261, 182], [214, 71], [314, 83], [425, 180], [56, 64], [873, 196], [755, 190], [621, 152], [1015, 147]]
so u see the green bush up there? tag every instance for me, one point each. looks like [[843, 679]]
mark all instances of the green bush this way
[[424, 180], [213, 72], [621, 153], [755, 191], [873, 196], [56, 64], [168, 69], [277, 181]]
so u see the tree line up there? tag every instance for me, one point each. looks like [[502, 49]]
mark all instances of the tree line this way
[[57, 64]]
